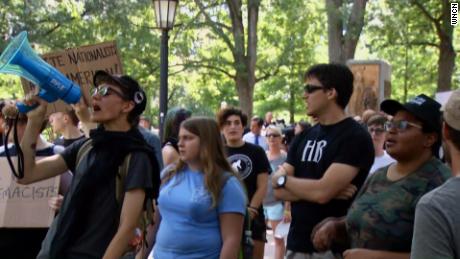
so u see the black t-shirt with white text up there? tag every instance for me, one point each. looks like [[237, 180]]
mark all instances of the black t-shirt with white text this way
[[311, 154]]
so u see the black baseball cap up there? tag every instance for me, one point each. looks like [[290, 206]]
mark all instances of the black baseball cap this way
[[127, 83], [423, 107]]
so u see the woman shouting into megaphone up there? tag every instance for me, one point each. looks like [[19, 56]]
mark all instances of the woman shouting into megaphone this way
[[94, 221]]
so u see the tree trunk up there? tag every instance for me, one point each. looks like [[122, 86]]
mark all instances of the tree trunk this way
[[446, 65], [334, 30], [244, 56], [245, 93], [253, 17], [406, 72], [446, 61], [245, 63], [342, 46], [292, 97], [355, 26]]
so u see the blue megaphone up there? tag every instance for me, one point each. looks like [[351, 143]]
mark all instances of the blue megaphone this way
[[20, 59]]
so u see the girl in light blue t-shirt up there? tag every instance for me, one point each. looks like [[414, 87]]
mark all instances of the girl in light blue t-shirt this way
[[202, 203]]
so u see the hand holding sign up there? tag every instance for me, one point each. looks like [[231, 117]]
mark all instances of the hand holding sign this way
[[55, 203]]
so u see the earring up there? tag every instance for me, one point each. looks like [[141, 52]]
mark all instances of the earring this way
[[138, 97]]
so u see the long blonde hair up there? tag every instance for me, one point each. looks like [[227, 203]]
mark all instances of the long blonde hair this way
[[212, 156]]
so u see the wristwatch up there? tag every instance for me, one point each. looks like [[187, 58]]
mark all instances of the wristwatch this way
[[281, 181]]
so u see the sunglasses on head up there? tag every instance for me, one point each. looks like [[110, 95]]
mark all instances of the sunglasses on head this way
[[105, 90], [272, 135], [312, 88]]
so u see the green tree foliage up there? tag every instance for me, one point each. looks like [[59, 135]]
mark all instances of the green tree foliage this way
[[203, 66], [345, 23], [56, 25], [438, 14], [232, 24], [290, 32], [397, 32]]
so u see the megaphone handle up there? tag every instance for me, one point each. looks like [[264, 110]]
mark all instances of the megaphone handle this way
[[23, 108]]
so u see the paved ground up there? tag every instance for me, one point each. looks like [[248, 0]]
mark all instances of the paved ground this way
[[269, 251], [269, 246]]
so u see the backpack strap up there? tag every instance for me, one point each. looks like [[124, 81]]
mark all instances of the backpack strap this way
[[146, 217], [120, 180], [83, 151]]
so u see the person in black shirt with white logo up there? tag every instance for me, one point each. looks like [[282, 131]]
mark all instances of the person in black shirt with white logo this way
[[324, 162], [251, 162]]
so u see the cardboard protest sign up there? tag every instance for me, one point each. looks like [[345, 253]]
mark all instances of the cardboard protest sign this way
[[372, 84], [25, 206], [79, 65]]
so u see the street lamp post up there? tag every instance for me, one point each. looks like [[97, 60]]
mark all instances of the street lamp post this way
[[163, 80], [165, 12]]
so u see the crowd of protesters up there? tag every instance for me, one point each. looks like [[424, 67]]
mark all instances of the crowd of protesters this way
[[369, 188]]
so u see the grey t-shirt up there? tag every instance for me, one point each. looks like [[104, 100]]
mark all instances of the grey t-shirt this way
[[437, 223], [269, 198]]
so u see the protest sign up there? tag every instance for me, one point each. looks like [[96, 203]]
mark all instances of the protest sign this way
[[25, 206]]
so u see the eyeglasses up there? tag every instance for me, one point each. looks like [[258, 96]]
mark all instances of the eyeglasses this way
[[273, 135], [376, 131], [400, 125], [105, 90], [312, 88]]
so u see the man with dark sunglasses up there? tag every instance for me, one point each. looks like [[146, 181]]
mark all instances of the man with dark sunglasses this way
[[323, 160]]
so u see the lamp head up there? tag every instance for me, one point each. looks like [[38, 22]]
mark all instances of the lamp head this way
[[165, 12]]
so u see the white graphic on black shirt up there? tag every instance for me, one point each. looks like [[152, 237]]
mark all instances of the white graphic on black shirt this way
[[242, 164], [313, 151]]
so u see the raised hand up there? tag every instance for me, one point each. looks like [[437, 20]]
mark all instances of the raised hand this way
[[55, 203], [36, 115], [82, 110]]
